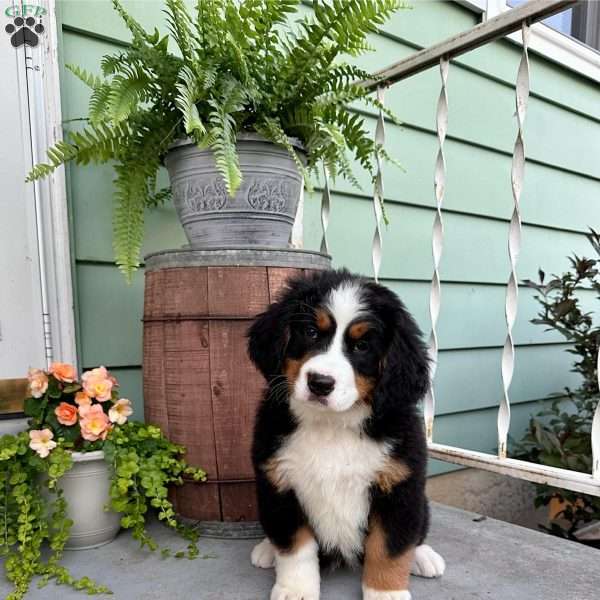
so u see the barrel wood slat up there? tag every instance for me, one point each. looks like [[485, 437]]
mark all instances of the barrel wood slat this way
[[199, 384], [177, 379], [190, 409], [278, 277], [235, 384]]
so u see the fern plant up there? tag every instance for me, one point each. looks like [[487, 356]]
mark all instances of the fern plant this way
[[239, 67]]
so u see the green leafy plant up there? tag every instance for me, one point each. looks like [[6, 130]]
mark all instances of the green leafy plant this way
[[559, 436], [239, 67], [33, 507], [145, 464]]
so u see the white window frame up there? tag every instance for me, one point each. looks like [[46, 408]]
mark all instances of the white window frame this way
[[554, 45]]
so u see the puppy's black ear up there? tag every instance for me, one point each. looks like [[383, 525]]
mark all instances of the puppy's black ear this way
[[405, 367], [268, 338]]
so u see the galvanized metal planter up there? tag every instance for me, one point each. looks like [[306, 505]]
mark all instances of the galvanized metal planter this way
[[86, 488], [261, 213]]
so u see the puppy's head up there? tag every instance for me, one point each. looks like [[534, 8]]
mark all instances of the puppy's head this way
[[338, 342]]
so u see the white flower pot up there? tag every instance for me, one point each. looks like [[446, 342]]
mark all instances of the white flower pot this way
[[86, 489]]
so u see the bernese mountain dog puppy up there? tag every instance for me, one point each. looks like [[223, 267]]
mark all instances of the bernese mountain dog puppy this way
[[339, 449]]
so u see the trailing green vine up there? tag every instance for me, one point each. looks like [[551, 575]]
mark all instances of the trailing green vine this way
[[145, 464], [33, 513]]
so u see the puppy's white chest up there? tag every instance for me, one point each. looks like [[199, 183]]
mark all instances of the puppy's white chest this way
[[331, 471]]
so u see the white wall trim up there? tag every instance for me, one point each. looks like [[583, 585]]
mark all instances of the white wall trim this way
[[43, 70], [478, 6], [554, 45]]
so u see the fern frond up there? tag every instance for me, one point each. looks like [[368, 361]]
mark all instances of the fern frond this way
[[160, 197], [134, 27], [128, 218], [271, 128], [110, 63], [226, 157], [337, 27], [190, 92], [94, 144], [58, 155], [223, 132], [91, 80], [207, 140], [124, 95], [99, 104], [180, 26], [209, 25]]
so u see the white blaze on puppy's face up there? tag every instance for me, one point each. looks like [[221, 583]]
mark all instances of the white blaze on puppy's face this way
[[344, 304]]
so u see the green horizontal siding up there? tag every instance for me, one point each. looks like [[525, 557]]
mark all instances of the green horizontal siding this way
[[474, 246], [472, 316], [130, 386], [560, 201]]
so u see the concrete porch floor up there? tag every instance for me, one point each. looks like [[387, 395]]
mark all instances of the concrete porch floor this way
[[486, 559]]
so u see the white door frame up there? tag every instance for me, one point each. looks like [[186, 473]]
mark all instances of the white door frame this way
[[52, 226]]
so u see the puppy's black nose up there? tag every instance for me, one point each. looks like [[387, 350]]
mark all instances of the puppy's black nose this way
[[320, 385]]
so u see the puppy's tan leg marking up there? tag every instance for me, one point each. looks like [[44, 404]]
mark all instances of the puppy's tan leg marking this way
[[385, 577], [297, 569], [394, 471]]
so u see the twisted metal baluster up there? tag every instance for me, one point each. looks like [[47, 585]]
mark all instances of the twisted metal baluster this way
[[514, 245], [376, 248], [325, 210], [437, 239], [596, 428], [297, 234]]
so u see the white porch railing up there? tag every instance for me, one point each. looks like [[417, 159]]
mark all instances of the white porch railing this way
[[516, 19]]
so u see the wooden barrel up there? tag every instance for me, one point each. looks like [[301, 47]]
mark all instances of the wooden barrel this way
[[199, 385]]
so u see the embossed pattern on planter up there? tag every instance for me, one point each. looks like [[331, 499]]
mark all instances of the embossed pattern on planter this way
[[194, 196], [269, 194]]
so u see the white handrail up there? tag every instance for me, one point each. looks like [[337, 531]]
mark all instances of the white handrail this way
[[493, 29], [508, 22]]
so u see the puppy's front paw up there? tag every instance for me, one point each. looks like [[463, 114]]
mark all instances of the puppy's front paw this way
[[263, 555], [371, 594], [428, 563], [280, 592]]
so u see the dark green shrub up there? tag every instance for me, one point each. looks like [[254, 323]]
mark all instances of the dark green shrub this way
[[559, 436]]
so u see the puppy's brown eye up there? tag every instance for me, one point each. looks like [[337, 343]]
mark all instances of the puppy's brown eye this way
[[361, 346], [312, 333]]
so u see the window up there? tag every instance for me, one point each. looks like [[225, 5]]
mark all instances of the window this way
[[581, 22]]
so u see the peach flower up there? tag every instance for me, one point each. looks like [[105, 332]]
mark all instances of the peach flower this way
[[119, 411], [66, 413], [98, 384], [94, 423], [41, 441], [38, 382], [82, 399], [63, 372]]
